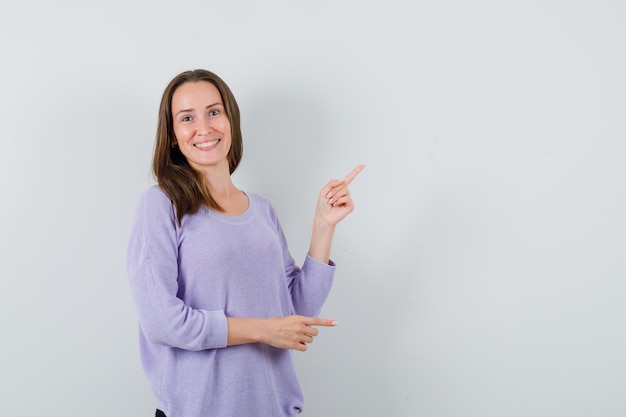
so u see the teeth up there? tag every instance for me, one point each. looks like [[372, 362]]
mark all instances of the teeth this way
[[206, 144]]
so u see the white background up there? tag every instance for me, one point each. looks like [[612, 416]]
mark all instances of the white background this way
[[483, 272]]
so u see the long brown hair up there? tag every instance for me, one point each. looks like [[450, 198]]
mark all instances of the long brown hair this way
[[182, 184]]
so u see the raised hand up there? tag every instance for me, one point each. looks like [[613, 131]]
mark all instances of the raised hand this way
[[334, 202]]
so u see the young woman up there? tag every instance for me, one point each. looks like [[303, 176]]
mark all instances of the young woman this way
[[220, 300]]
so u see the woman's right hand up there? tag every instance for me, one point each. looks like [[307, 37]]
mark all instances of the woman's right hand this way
[[292, 332]]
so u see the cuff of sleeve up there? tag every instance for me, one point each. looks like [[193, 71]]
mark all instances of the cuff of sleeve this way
[[217, 331], [310, 262]]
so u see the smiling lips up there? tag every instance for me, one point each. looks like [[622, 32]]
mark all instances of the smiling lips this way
[[207, 145]]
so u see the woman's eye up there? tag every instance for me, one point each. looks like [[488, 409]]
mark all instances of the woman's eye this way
[[186, 119], [214, 112]]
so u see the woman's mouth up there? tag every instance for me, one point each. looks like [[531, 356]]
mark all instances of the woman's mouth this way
[[205, 145]]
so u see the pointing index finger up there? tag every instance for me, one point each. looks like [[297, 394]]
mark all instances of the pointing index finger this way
[[316, 321], [353, 173]]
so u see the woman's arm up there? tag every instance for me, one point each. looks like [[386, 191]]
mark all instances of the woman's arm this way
[[152, 260], [291, 332]]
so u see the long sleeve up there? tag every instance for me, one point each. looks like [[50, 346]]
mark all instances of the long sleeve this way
[[311, 286], [152, 265]]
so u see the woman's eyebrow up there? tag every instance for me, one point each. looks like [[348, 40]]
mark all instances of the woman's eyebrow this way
[[183, 111], [190, 110]]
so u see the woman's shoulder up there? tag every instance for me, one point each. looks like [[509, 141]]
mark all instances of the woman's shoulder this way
[[260, 201], [258, 198], [154, 193], [154, 197], [262, 205]]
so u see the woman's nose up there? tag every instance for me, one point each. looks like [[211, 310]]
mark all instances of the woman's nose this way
[[204, 127]]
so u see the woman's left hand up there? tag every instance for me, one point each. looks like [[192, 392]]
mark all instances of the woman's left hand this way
[[334, 202]]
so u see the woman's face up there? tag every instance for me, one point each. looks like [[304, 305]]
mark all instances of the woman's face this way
[[201, 126]]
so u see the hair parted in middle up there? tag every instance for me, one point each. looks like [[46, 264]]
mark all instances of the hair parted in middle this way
[[182, 184]]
